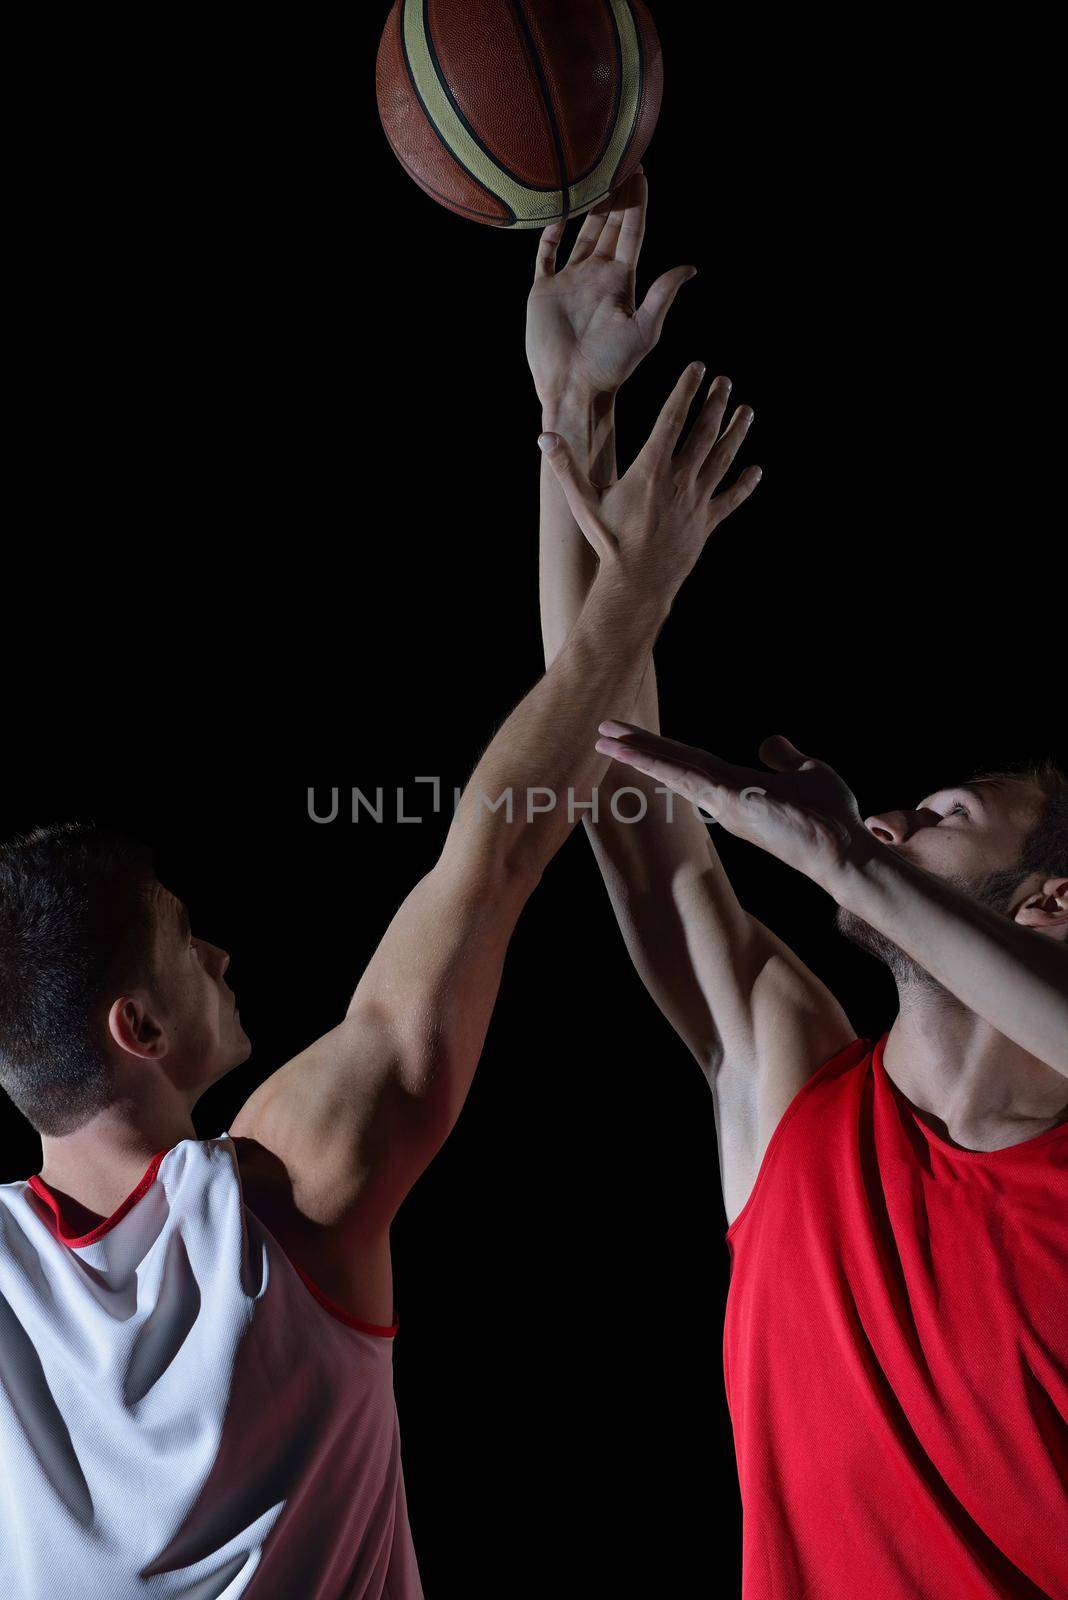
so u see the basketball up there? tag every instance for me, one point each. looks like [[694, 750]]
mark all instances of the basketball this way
[[518, 113]]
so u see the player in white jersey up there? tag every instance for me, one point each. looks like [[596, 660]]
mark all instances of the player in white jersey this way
[[195, 1383]]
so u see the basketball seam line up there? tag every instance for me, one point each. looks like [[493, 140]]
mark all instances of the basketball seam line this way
[[642, 80], [543, 85], [617, 97], [512, 217], [494, 157], [449, 151], [617, 100], [456, 205]]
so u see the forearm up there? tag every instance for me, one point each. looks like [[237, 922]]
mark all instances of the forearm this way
[[522, 799], [1012, 977], [567, 563], [685, 932]]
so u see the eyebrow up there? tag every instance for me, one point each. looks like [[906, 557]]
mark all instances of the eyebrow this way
[[185, 927]]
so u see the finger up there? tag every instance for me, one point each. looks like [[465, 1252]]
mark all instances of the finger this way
[[713, 465], [652, 312], [548, 245], [686, 755], [705, 430], [692, 783], [632, 227], [590, 232], [729, 803], [723, 504], [660, 445], [778, 753], [579, 492], [605, 249]]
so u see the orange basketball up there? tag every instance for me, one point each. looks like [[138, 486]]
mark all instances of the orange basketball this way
[[518, 113]]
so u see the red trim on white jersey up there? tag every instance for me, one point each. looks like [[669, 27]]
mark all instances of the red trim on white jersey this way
[[180, 1409], [78, 1241], [336, 1311]]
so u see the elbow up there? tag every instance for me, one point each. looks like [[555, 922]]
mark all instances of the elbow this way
[[427, 1101], [499, 871], [519, 870]]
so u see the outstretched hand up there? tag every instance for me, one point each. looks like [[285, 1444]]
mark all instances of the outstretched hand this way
[[801, 811], [585, 334], [651, 525]]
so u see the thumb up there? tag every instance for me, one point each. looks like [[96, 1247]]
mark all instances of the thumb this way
[[660, 299], [782, 756], [580, 493]]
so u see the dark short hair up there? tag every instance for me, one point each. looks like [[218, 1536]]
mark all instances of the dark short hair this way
[[1045, 849], [75, 919]]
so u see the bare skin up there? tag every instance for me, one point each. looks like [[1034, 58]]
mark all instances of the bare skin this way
[[981, 1042], [978, 1044], [332, 1142], [168, 1045]]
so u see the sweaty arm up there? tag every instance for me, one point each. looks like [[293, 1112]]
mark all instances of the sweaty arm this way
[[755, 1018]]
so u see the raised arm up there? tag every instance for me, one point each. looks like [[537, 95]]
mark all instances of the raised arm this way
[[1011, 972], [351, 1122], [757, 1021]]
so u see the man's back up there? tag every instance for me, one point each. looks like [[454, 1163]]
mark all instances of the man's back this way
[[896, 1353], [180, 1415]]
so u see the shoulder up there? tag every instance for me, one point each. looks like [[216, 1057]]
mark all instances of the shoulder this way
[[349, 1274], [267, 1191], [265, 1186], [839, 1081], [820, 1118]]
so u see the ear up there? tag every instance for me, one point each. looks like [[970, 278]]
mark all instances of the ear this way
[[1047, 907], [135, 1030]]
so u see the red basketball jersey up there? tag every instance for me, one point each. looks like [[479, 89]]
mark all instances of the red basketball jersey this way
[[896, 1354]]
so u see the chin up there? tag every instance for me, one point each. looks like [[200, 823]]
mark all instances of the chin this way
[[239, 1050], [904, 970]]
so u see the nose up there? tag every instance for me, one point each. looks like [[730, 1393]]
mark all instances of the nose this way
[[894, 827], [220, 958]]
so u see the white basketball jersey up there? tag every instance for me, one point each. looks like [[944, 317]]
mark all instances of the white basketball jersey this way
[[180, 1413]]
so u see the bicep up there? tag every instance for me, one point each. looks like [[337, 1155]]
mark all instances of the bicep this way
[[357, 1116], [755, 1018], [340, 1128]]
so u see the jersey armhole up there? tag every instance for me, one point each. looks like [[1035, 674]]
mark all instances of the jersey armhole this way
[[373, 1329], [335, 1310], [846, 1057]]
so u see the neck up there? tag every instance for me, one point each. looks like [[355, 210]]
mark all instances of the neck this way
[[115, 1147], [983, 1090]]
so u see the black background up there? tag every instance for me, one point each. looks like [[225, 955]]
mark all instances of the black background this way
[[275, 443]]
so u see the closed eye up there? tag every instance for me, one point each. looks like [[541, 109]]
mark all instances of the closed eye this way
[[955, 807]]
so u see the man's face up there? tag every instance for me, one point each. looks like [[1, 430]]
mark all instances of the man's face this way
[[972, 836], [203, 1027]]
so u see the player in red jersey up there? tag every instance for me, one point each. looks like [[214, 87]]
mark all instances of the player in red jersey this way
[[896, 1346]]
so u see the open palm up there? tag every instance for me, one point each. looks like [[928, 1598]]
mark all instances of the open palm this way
[[801, 811], [584, 331]]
